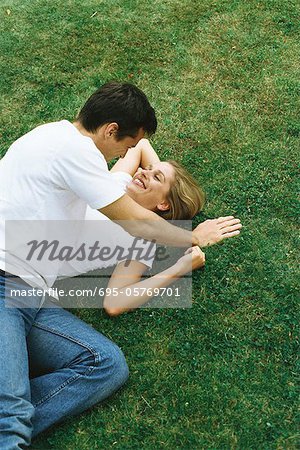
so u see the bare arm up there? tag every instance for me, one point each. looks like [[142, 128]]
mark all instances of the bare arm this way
[[142, 155], [141, 222], [125, 209], [122, 277], [130, 162], [148, 154]]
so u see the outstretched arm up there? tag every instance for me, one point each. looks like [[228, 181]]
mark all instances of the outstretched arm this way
[[141, 222], [139, 292], [127, 210]]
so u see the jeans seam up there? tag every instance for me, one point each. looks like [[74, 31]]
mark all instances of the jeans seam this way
[[74, 377], [95, 354], [58, 389]]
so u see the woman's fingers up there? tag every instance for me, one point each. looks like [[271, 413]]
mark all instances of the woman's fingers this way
[[198, 259], [198, 252]]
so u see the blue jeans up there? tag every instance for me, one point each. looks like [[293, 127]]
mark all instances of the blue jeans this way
[[52, 366]]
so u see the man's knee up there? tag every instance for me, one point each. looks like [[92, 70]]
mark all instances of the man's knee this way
[[105, 366], [111, 368], [122, 367], [118, 365]]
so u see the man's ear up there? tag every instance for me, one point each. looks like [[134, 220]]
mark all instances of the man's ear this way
[[111, 129], [163, 206]]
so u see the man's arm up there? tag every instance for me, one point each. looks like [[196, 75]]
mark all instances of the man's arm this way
[[141, 222]]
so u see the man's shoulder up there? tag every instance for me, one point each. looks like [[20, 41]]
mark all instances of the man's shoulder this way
[[46, 132], [64, 138], [61, 127]]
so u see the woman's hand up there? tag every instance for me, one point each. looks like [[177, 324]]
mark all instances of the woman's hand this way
[[193, 259], [213, 231]]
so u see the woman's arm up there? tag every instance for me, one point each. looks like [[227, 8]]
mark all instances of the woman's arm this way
[[148, 154], [142, 155], [139, 292]]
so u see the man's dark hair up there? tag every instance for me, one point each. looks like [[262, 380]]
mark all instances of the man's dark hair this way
[[122, 103]]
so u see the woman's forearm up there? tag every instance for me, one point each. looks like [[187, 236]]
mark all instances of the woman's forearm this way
[[142, 155], [148, 154], [136, 294]]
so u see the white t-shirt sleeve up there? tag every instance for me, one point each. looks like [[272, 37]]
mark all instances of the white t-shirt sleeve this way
[[112, 235], [84, 171], [122, 178]]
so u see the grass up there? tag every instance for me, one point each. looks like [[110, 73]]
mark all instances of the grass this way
[[223, 77]]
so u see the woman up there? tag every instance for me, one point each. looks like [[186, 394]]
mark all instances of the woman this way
[[72, 366], [164, 187], [169, 190]]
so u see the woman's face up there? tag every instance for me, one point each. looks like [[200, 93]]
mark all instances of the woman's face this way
[[150, 187]]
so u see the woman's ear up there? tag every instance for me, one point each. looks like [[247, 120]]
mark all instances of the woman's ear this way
[[163, 206]]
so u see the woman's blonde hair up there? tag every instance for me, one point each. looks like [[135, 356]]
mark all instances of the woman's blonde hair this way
[[186, 198]]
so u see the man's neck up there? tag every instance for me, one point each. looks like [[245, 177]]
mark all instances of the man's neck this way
[[99, 138], [89, 134], [82, 130]]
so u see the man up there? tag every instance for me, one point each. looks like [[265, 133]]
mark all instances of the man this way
[[53, 173]]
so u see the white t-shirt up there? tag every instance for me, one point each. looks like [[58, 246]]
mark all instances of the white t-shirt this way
[[51, 173], [97, 228]]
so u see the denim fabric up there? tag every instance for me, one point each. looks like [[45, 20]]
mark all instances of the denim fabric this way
[[65, 368]]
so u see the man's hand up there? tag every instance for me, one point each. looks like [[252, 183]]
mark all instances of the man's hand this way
[[213, 231]]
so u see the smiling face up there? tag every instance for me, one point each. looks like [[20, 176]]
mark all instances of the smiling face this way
[[150, 187]]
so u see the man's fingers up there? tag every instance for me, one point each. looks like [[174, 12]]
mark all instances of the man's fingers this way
[[224, 219], [229, 223], [235, 227], [231, 234]]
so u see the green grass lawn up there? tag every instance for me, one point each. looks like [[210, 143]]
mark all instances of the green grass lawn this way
[[223, 77]]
